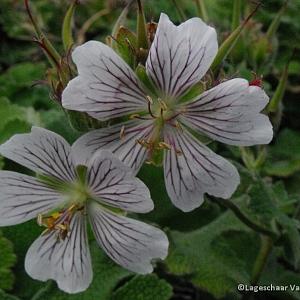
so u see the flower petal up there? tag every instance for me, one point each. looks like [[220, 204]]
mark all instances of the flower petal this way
[[130, 243], [41, 151], [194, 171], [106, 86], [23, 197], [125, 146], [181, 55], [67, 261], [230, 113], [112, 182]]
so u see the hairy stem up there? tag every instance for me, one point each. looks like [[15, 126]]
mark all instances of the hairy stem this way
[[262, 258], [243, 218]]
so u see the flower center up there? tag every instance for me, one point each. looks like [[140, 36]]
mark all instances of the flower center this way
[[162, 113], [77, 195]]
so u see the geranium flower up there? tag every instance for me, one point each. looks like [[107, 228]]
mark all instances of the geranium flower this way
[[64, 197], [179, 57]]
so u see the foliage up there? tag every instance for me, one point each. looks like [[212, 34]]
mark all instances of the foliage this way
[[8, 259], [216, 246], [148, 287]]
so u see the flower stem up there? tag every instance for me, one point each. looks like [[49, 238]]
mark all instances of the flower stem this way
[[242, 217], [202, 12], [262, 258], [179, 10]]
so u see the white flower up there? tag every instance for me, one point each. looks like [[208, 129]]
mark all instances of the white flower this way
[[179, 57], [64, 197]]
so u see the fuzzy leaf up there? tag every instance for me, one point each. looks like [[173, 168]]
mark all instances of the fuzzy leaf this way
[[15, 119], [22, 236], [284, 161], [4, 296], [149, 287], [7, 261], [212, 264]]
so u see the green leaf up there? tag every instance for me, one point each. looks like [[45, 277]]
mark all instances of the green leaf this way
[[262, 204], [22, 236], [275, 274], [211, 263], [20, 76], [4, 296], [14, 127], [56, 120], [148, 287], [7, 261], [284, 161], [165, 213], [106, 277], [15, 119]]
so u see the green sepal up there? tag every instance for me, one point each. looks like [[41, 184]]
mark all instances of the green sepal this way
[[120, 22], [47, 47], [142, 39], [193, 92], [276, 22], [82, 122], [54, 183], [115, 210], [144, 78], [230, 42], [279, 92], [125, 44], [81, 171], [67, 36], [202, 10], [236, 14]]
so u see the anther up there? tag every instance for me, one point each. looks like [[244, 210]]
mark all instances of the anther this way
[[150, 102], [163, 145], [122, 133], [162, 104], [178, 126], [134, 116], [149, 99], [40, 219], [178, 152], [137, 116]]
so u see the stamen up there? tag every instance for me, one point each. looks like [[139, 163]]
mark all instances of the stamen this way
[[149, 99], [178, 152], [162, 104], [58, 221], [143, 143], [40, 219], [134, 116], [122, 133], [178, 126], [163, 145], [137, 116], [150, 102]]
